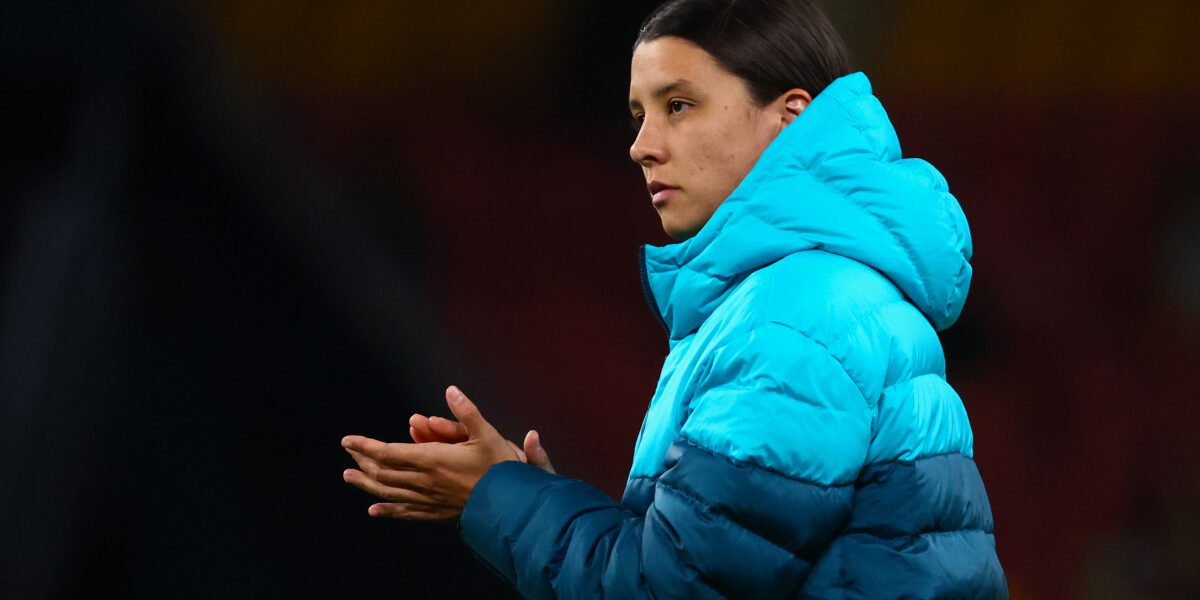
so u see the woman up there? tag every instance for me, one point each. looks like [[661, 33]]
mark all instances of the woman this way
[[802, 440]]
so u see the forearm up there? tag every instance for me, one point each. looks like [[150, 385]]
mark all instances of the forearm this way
[[715, 529], [526, 524]]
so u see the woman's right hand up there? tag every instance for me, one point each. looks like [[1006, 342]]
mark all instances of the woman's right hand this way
[[437, 429]]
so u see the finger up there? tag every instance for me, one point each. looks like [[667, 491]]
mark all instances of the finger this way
[[393, 455], [371, 467], [405, 477], [365, 483], [467, 413], [436, 429], [417, 438], [537, 454], [366, 463], [417, 481], [364, 445], [448, 431], [420, 424], [413, 512]]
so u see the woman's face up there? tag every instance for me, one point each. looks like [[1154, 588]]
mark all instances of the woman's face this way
[[699, 130]]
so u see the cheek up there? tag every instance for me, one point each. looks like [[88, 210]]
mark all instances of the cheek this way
[[751, 139], [726, 159], [726, 147], [719, 157]]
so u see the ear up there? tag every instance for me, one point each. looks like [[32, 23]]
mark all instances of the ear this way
[[792, 103]]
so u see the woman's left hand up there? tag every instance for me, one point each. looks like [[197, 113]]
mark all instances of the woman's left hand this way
[[430, 481]]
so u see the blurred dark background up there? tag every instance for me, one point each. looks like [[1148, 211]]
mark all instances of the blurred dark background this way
[[232, 232]]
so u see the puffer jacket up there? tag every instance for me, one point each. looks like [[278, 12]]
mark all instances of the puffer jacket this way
[[802, 440]]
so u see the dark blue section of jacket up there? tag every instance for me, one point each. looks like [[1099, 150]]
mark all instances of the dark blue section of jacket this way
[[711, 528]]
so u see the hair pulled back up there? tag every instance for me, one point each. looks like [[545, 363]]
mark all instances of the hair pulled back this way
[[772, 45]]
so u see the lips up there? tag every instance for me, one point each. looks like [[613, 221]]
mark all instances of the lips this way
[[660, 192]]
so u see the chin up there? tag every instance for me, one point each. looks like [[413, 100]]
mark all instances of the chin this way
[[682, 222], [678, 233]]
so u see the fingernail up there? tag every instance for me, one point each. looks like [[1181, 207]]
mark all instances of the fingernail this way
[[456, 394]]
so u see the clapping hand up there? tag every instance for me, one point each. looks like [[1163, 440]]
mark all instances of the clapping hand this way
[[424, 429], [431, 479]]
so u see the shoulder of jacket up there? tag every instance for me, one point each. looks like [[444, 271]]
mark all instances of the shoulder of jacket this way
[[853, 311], [805, 288]]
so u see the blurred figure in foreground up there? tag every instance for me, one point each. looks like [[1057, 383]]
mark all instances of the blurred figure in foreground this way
[[189, 319]]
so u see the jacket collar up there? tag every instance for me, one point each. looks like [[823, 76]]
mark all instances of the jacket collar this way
[[834, 180]]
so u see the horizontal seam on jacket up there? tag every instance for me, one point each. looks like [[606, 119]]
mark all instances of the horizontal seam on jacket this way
[[735, 462], [739, 463], [708, 508], [915, 377], [840, 364], [708, 359], [898, 461], [937, 532]]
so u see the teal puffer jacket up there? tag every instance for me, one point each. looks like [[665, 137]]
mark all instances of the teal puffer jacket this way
[[802, 440]]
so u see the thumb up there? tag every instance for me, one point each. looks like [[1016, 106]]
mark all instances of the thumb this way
[[536, 454], [467, 413]]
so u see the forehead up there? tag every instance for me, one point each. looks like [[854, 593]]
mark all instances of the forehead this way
[[668, 60]]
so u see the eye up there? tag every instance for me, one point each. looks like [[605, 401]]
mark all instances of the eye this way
[[677, 106], [635, 122]]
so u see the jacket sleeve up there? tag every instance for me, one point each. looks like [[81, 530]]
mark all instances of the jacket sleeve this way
[[758, 482]]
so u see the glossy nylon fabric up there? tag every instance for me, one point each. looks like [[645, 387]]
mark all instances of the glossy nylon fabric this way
[[802, 440]]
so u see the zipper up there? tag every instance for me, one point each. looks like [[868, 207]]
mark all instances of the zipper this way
[[647, 292]]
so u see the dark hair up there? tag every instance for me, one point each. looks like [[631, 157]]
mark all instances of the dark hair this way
[[772, 45]]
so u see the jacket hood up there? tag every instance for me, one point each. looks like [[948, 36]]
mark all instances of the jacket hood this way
[[833, 180]]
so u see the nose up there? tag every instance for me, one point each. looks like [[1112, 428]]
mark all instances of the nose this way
[[649, 147]]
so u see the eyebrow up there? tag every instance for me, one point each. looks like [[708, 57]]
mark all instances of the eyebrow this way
[[664, 90]]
